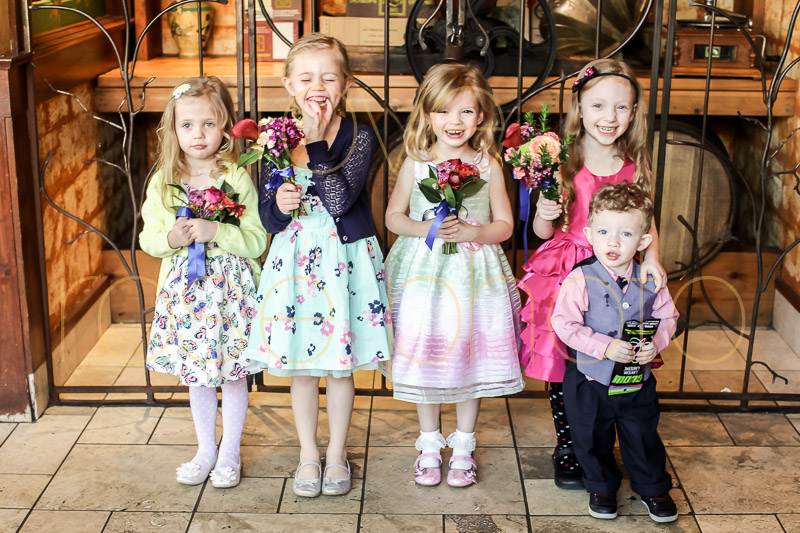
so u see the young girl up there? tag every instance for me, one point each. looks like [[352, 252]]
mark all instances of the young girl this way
[[200, 326], [455, 317], [607, 118], [324, 304]]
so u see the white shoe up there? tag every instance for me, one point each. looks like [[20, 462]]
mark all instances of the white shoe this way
[[192, 473], [226, 477]]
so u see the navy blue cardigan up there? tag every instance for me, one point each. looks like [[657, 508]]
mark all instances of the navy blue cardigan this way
[[342, 188]]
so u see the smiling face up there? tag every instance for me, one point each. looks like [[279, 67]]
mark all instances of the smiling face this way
[[607, 109], [616, 236], [316, 81], [456, 123], [197, 128]]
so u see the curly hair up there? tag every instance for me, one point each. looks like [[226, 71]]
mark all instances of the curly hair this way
[[624, 197]]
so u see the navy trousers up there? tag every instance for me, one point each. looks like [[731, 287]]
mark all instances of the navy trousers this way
[[596, 418]]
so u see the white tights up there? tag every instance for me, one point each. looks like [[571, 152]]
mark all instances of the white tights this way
[[203, 401]]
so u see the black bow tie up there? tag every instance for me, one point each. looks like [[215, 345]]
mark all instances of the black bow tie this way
[[622, 282]]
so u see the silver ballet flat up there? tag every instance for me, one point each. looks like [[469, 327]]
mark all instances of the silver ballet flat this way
[[308, 488], [336, 487]]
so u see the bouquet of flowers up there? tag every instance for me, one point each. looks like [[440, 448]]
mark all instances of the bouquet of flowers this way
[[216, 205], [535, 153], [449, 183], [272, 138]]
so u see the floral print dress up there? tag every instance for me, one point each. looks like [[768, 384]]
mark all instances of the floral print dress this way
[[322, 305], [200, 331]]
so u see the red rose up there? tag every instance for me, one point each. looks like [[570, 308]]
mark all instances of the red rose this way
[[214, 195], [455, 180], [513, 136], [245, 129]]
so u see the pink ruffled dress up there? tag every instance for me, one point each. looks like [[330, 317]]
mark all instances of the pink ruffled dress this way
[[543, 355]]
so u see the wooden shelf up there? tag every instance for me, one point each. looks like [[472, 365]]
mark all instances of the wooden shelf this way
[[728, 97]]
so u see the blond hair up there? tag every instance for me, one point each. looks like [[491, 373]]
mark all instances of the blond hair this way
[[442, 83], [622, 197], [632, 144], [172, 162], [314, 42]]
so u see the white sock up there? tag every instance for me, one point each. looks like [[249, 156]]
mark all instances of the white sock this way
[[234, 412], [463, 445], [430, 442]]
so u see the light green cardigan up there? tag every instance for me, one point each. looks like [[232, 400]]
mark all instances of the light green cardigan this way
[[247, 240]]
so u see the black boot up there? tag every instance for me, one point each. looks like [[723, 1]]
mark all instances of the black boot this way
[[567, 476]]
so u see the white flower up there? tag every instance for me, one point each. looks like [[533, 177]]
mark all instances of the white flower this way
[[262, 138], [263, 122], [271, 144], [180, 89]]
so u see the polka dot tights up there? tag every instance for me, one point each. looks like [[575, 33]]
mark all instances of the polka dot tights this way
[[203, 401]]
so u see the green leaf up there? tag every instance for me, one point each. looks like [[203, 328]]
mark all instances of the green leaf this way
[[432, 173], [248, 158], [472, 188], [431, 195], [430, 182], [226, 187], [449, 195]]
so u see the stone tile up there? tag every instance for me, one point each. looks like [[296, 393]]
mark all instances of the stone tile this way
[[83, 397], [143, 522], [717, 381], [116, 347], [70, 410], [65, 521], [271, 422], [274, 523], [773, 350], [122, 478], [281, 461], [750, 524], [135, 376], [795, 420], [5, 431], [10, 519], [537, 463], [732, 480], [760, 429], [790, 522], [481, 523], [252, 495], [692, 429], [121, 425], [669, 379], [544, 499], [394, 423], [348, 503], [391, 523], [39, 448], [391, 489], [533, 422], [94, 375], [176, 427], [623, 524], [708, 349], [793, 387], [19, 491], [493, 428]]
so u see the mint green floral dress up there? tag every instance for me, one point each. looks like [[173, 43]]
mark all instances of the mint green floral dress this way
[[322, 306]]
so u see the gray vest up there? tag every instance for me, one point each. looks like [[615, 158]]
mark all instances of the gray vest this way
[[608, 310]]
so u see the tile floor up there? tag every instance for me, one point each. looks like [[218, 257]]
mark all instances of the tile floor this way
[[111, 469]]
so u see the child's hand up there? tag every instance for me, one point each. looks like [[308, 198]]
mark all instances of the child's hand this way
[[647, 353], [288, 198], [319, 119], [178, 236], [200, 230], [653, 268], [465, 232], [547, 209], [448, 229], [619, 351]]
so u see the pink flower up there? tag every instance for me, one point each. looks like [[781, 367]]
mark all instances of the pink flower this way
[[213, 195], [295, 226], [300, 298], [546, 142], [327, 328]]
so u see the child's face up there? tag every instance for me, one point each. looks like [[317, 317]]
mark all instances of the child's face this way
[[607, 109], [316, 82], [197, 127], [457, 122], [616, 236]]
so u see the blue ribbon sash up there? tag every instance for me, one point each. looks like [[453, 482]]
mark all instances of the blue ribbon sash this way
[[441, 211], [197, 252], [279, 176], [524, 213]]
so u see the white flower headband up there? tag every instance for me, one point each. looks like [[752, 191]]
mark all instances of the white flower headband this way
[[180, 89]]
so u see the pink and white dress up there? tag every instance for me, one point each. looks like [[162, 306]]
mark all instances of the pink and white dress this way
[[543, 355], [456, 317]]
